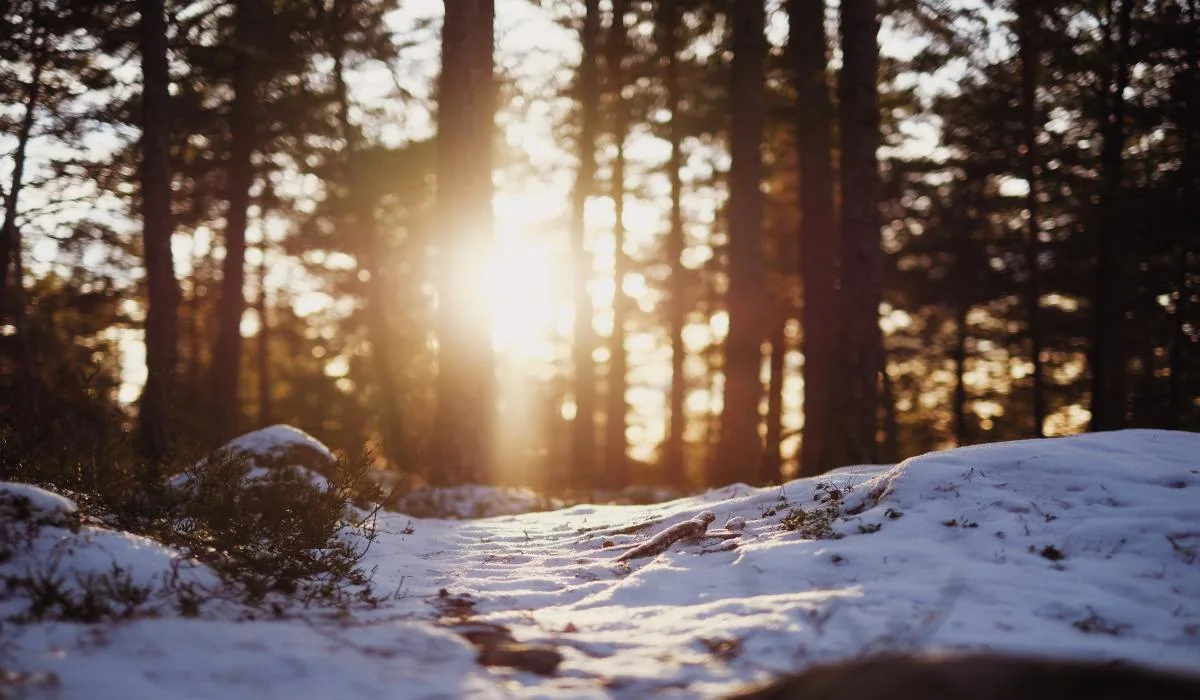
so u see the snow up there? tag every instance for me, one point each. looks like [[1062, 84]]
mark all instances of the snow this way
[[273, 448], [277, 441], [1081, 547], [473, 501], [40, 503], [73, 553]]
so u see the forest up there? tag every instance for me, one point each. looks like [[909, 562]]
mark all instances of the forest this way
[[592, 246]]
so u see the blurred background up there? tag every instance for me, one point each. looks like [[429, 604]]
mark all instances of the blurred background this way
[[578, 245]]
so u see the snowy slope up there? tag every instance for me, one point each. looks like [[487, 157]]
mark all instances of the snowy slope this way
[[1078, 547]]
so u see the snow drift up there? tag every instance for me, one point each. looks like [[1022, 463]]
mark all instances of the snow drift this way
[[1084, 547]]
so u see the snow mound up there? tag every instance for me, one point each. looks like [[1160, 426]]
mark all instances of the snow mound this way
[[283, 444], [25, 502], [276, 448], [54, 566]]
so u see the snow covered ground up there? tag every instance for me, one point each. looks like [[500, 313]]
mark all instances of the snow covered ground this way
[[1083, 547]]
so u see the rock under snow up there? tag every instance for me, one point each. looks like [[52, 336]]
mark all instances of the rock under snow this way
[[277, 447]]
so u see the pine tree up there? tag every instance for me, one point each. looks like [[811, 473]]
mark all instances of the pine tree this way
[[861, 347], [818, 235], [741, 447], [162, 290], [462, 450]]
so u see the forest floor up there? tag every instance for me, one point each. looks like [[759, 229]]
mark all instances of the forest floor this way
[[1081, 547]]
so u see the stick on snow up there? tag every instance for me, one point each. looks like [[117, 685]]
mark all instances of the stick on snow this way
[[658, 544]]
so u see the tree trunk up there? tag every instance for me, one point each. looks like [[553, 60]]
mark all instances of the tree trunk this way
[[1107, 360], [583, 428], [669, 27], [1026, 26], [227, 354], [466, 383], [10, 236], [741, 447], [263, 347], [861, 289], [961, 331], [616, 473], [1180, 404], [818, 236], [771, 471], [162, 295], [891, 428]]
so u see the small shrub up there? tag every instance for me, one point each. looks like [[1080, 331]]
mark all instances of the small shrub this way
[[813, 524]]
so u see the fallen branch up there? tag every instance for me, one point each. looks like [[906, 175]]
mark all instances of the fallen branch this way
[[696, 527]]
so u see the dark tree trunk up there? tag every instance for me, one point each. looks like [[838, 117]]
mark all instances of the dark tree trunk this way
[[818, 236], [891, 428], [162, 294], [227, 354], [466, 383], [669, 27], [263, 348], [1028, 53], [741, 447], [861, 289], [583, 428], [961, 332], [10, 235], [616, 473], [1180, 403], [771, 471], [1107, 358], [1178, 406]]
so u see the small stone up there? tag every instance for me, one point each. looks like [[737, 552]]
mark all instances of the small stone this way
[[540, 660], [736, 523]]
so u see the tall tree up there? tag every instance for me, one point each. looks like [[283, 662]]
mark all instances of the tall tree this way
[[462, 442], [818, 234], [262, 349], [583, 438], [1028, 54], [861, 269], [615, 447], [668, 25], [39, 53], [341, 22], [249, 23], [741, 446], [1107, 361], [162, 289]]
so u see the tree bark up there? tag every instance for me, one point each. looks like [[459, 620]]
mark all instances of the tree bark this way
[[1179, 403], [818, 235], [669, 27], [162, 295], [741, 447], [616, 473], [1107, 360], [771, 471], [891, 428], [961, 331], [227, 353], [466, 384], [263, 347], [583, 428], [1028, 54], [861, 288], [10, 236]]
